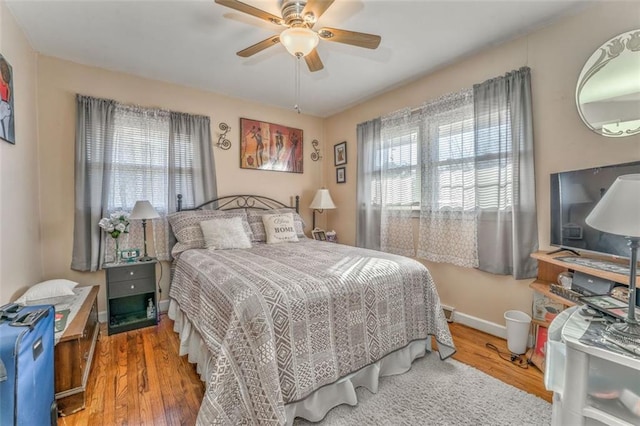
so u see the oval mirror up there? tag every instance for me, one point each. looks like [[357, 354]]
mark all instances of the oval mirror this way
[[608, 92]]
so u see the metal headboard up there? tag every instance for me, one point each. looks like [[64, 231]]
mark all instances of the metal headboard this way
[[233, 202]]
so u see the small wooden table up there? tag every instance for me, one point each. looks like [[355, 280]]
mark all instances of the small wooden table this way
[[74, 355]]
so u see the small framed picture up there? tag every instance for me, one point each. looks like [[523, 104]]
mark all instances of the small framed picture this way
[[319, 234], [341, 175], [130, 255], [340, 153]]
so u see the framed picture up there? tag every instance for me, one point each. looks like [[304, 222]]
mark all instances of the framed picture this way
[[341, 175], [268, 146], [340, 153], [129, 255], [319, 234], [7, 120]]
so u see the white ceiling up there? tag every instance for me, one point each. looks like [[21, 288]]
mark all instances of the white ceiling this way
[[193, 43]]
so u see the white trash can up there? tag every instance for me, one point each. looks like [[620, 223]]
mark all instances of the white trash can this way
[[518, 324]]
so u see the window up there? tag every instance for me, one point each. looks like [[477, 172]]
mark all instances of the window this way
[[398, 159], [128, 153], [140, 159], [453, 167], [464, 168], [138, 162], [494, 163], [461, 160]]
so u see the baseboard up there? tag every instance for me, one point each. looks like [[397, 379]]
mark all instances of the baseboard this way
[[163, 305], [485, 326]]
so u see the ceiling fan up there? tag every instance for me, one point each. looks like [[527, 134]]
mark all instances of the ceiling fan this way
[[299, 38]]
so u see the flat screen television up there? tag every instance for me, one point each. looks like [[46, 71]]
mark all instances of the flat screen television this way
[[573, 195]]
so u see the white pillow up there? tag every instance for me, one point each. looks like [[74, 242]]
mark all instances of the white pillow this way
[[225, 233], [279, 228], [47, 290]]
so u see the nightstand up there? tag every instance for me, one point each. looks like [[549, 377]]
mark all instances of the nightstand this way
[[130, 286]]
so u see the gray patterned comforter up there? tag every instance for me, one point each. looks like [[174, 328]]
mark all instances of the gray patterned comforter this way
[[283, 320]]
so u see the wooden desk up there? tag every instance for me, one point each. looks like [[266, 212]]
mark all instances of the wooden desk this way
[[74, 355]]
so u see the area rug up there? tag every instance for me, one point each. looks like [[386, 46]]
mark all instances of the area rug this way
[[438, 392]]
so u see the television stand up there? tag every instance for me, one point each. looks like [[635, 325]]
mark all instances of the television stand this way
[[563, 249]]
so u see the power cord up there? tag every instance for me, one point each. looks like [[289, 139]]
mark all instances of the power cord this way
[[160, 279], [516, 360]]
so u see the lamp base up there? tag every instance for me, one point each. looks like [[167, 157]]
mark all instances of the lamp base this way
[[146, 259], [624, 332]]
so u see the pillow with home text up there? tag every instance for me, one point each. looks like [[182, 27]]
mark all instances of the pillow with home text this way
[[279, 228]]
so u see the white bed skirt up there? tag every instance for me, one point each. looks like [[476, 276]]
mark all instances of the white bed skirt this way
[[317, 405]]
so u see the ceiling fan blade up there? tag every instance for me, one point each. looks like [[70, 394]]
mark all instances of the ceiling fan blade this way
[[313, 61], [369, 41], [245, 8], [259, 47], [317, 7]]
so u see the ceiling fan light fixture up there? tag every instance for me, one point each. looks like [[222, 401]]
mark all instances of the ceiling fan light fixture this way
[[299, 41]]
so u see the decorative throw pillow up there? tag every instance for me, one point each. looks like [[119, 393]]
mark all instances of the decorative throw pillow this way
[[257, 226], [279, 228], [48, 289], [225, 233], [186, 227]]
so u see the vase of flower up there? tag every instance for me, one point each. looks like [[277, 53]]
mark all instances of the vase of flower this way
[[117, 253], [115, 225]]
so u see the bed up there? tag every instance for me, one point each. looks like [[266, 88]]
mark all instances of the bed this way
[[289, 330]]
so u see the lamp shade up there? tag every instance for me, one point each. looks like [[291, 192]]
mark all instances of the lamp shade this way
[[322, 200], [143, 210], [618, 212], [299, 40]]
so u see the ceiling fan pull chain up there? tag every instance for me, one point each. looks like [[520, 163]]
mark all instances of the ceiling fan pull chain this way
[[297, 84]]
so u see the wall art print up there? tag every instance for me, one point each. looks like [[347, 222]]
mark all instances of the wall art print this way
[[7, 120], [268, 146], [340, 154]]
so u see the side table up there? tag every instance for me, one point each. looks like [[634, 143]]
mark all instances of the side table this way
[[130, 288], [74, 355]]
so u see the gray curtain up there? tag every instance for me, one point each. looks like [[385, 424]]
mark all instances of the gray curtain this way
[[193, 131], [94, 139], [506, 235], [368, 185]]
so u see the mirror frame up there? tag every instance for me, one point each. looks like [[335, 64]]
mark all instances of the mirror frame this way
[[610, 50]]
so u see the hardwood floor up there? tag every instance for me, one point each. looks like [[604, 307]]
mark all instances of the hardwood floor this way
[[471, 350], [138, 378]]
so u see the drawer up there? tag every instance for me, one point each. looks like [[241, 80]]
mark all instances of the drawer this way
[[133, 272], [614, 389], [131, 287]]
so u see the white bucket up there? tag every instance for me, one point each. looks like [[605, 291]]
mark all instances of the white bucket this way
[[518, 324]]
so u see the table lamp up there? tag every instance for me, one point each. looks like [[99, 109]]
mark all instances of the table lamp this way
[[145, 211], [618, 212], [322, 201]]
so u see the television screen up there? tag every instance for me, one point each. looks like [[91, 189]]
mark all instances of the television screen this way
[[573, 195]]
